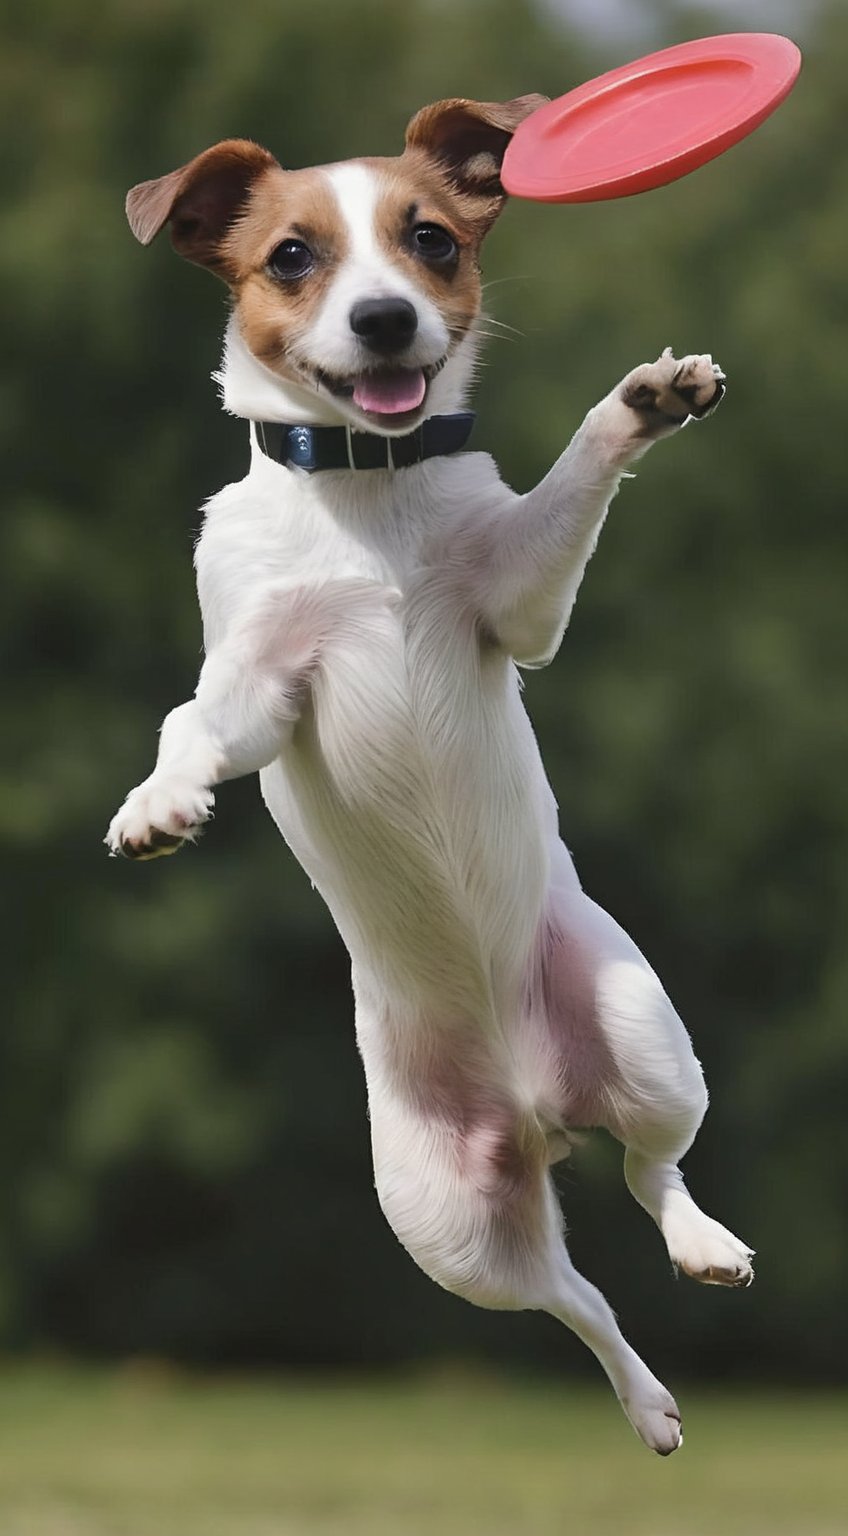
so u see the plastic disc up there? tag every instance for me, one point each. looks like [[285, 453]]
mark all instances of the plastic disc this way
[[651, 121]]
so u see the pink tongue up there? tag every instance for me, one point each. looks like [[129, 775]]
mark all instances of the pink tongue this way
[[389, 394]]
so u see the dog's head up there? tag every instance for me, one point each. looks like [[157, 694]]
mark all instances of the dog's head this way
[[356, 285]]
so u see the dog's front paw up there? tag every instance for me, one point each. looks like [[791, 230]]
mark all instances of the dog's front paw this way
[[159, 816], [664, 394]]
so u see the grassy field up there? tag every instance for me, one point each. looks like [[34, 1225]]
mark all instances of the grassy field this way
[[141, 1453]]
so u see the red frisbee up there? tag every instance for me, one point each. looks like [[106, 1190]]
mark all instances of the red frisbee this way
[[651, 121]]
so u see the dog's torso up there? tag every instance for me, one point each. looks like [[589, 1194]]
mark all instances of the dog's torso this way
[[410, 787]]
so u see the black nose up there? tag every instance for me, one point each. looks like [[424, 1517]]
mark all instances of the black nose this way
[[385, 325]]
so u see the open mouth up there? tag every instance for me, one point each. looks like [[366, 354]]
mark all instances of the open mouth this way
[[385, 394]]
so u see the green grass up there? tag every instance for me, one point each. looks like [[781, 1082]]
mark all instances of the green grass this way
[[142, 1453]]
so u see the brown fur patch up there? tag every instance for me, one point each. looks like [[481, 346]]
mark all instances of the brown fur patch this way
[[284, 205], [469, 140]]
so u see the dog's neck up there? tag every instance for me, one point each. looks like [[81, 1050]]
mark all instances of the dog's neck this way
[[251, 390]]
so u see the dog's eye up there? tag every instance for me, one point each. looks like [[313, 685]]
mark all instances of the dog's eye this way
[[434, 244], [291, 259]]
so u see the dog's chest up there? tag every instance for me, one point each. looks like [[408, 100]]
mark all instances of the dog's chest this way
[[402, 690], [396, 662], [408, 788]]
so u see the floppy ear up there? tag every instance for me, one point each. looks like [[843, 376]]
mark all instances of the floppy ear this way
[[200, 200], [469, 140]]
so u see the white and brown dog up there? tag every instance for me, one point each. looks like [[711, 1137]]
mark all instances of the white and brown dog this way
[[367, 591]]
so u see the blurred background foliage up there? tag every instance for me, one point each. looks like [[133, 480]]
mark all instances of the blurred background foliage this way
[[185, 1162]]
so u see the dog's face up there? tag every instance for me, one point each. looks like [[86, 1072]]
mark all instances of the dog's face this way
[[357, 282]]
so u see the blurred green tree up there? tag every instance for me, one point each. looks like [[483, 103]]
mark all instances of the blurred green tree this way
[[184, 1141]]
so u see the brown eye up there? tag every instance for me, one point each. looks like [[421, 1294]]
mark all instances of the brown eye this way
[[434, 244], [291, 260]]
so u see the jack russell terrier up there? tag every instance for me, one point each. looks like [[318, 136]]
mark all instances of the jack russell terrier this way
[[367, 592]]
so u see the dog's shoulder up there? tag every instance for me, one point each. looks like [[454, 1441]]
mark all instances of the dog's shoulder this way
[[242, 546], [464, 488]]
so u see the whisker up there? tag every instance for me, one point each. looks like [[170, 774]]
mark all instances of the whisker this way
[[490, 320], [493, 336], [514, 278]]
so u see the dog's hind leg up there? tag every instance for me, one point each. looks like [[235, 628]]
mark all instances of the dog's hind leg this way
[[475, 1207], [659, 1109], [648, 1090], [697, 1244], [580, 1305]]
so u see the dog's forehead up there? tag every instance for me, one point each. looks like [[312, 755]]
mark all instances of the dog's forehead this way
[[404, 187], [349, 203]]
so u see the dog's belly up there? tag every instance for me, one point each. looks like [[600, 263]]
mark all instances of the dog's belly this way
[[414, 797]]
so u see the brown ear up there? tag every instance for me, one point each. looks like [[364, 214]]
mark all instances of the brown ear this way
[[469, 139], [200, 200]]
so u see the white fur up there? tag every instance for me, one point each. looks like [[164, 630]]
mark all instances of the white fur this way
[[361, 631]]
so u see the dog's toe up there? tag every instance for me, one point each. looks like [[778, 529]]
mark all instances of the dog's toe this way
[[155, 846], [737, 1276]]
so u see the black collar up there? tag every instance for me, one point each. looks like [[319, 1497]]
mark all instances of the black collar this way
[[312, 448]]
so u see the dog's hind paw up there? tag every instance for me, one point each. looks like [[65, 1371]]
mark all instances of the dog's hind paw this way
[[158, 817], [656, 1419], [705, 1251]]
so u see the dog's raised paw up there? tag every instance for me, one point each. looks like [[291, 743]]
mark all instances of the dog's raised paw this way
[[158, 817], [668, 392]]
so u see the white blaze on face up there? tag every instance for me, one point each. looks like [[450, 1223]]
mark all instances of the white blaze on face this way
[[367, 272]]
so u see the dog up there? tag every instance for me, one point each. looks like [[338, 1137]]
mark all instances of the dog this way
[[368, 592]]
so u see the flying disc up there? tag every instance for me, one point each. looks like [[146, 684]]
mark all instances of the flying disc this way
[[650, 121]]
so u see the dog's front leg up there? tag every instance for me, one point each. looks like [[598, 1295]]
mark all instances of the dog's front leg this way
[[540, 547], [243, 711]]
